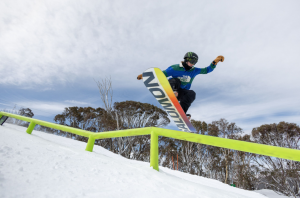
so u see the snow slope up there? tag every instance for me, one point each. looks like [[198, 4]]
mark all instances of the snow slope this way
[[45, 165]]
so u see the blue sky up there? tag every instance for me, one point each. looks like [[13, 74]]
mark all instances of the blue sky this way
[[51, 52]]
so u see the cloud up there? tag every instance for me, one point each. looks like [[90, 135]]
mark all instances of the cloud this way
[[63, 41], [49, 44], [248, 114], [76, 102], [44, 107], [3, 104]]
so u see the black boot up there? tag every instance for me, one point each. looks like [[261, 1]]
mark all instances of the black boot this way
[[175, 85]]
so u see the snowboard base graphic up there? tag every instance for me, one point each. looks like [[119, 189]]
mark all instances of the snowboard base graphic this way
[[157, 83]]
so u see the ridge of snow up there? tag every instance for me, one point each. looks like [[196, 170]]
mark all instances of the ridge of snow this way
[[46, 165]]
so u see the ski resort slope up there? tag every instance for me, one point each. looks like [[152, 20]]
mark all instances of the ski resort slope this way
[[46, 165]]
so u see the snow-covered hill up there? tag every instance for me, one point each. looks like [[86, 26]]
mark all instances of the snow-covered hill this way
[[45, 165]]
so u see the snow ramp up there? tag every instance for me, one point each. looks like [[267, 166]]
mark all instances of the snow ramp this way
[[46, 165]]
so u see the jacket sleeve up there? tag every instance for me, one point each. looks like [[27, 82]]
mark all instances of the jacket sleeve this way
[[168, 72], [165, 73], [207, 70]]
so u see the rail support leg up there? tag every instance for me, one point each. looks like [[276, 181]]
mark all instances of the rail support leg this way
[[154, 151], [30, 127], [90, 144]]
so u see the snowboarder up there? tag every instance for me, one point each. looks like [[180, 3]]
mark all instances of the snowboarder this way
[[183, 75]]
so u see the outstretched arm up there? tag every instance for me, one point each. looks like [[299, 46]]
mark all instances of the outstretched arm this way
[[212, 66]]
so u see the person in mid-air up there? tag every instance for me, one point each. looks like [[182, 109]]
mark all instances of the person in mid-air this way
[[183, 75]]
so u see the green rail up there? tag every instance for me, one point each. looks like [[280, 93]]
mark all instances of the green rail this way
[[273, 151]]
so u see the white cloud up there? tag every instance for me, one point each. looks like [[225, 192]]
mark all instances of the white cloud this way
[[62, 41], [248, 115], [76, 102], [45, 108], [44, 44], [3, 104]]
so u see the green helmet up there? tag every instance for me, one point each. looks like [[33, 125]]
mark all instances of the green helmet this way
[[191, 57]]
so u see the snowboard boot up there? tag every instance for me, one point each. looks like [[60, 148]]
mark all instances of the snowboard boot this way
[[175, 85]]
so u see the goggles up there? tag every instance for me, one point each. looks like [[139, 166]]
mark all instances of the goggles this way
[[192, 60]]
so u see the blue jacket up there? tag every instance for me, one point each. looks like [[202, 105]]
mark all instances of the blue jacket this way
[[187, 77]]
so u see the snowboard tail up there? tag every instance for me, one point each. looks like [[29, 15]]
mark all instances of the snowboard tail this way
[[157, 83]]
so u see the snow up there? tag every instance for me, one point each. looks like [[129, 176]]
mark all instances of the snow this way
[[270, 193], [46, 165]]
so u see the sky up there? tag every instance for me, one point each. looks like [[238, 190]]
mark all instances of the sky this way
[[52, 52], [54, 166]]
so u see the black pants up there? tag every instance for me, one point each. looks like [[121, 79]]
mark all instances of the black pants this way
[[186, 97]]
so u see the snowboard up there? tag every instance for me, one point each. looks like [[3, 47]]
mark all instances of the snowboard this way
[[157, 83]]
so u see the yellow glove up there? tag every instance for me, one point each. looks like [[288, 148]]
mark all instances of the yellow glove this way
[[140, 77], [218, 59]]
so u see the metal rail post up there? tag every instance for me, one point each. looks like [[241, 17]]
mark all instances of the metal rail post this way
[[154, 150], [30, 127], [90, 144]]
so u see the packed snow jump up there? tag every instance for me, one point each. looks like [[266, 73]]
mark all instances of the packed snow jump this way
[[174, 94]]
